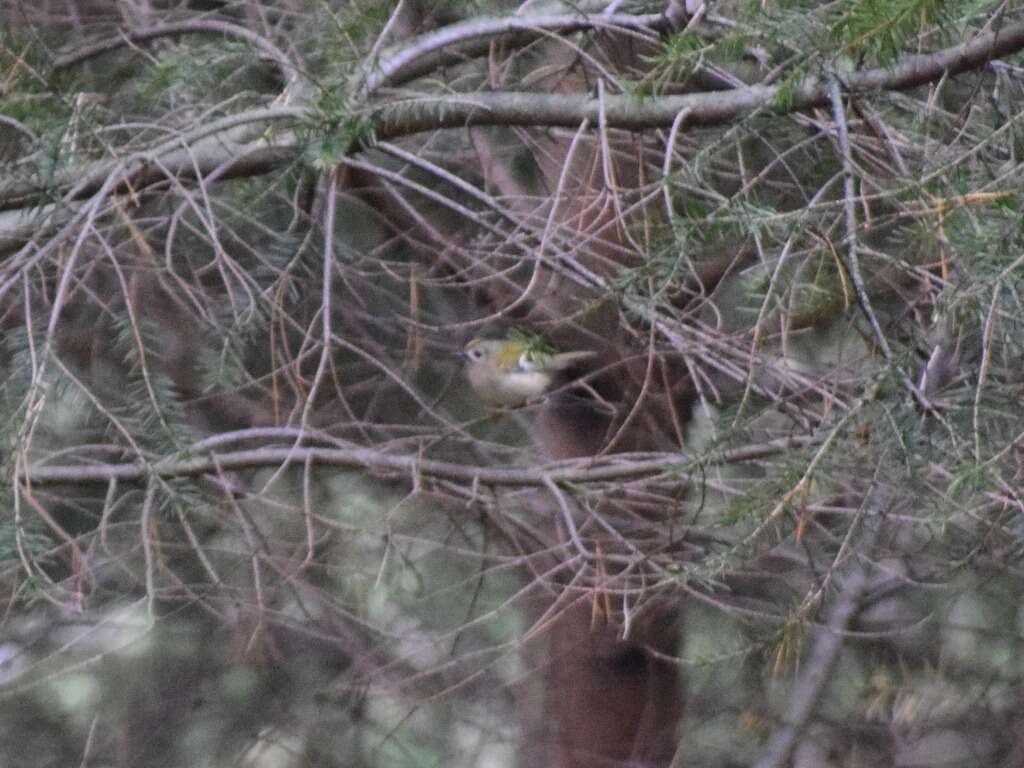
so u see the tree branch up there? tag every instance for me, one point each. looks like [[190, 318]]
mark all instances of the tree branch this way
[[636, 113], [629, 112], [207, 148], [617, 468], [814, 678], [418, 55], [201, 26]]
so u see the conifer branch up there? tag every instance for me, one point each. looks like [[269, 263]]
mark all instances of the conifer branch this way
[[623, 111], [583, 471]]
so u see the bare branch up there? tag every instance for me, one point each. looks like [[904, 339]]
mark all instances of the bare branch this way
[[199, 26], [405, 117], [814, 678], [616, 468]]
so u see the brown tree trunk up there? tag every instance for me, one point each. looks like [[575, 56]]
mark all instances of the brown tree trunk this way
[[604, 700]]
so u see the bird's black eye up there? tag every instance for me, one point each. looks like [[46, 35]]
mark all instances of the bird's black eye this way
[[475, 354]]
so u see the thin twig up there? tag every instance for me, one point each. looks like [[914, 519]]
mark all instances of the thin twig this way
[[809, 688], [852, 256]]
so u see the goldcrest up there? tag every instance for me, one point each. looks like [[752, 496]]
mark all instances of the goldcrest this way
[[506, 373]]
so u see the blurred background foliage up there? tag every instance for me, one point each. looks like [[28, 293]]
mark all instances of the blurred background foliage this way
[[290, 282]]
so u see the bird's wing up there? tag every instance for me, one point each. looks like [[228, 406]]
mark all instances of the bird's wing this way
[[533, 361], [565, 360], [530, 362]]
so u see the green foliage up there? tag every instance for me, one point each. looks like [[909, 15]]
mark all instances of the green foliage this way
[[818, 292], [352, 26], [333, 127], [315, 611], [677, 58], [682, 54], [222, 367], [148, 400], [648, 281], [28, 535], [882, 29], [197, 72], [44, 114], [731, 47], [788, 87], [22, 60], [992, 234], [967, 480]]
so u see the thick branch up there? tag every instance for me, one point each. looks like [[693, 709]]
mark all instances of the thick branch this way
[[219, 145], [378, 461], [628, 112], [638, 113], [414, 56]]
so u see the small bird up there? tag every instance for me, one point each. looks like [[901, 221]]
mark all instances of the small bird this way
[[505, 373]]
